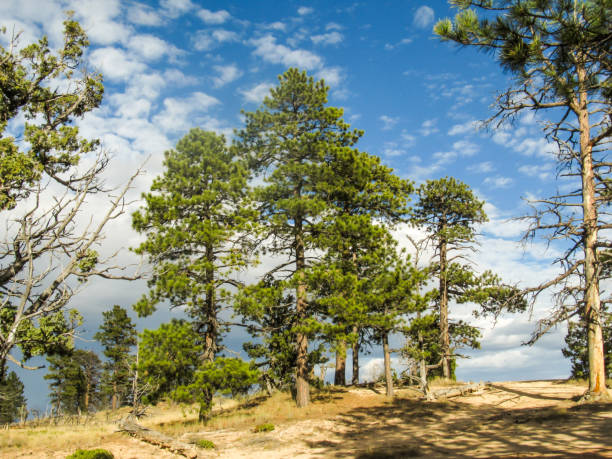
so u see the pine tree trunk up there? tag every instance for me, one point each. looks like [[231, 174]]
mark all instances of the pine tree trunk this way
[[114, 397], [302, 389], [444, 336], [355, 378], [340, 374], [87, 390], [387, 357], [212, 325], [592, 309], [135, 396]]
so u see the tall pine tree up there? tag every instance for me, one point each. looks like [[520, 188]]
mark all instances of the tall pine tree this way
[[117, 335], [559, 55], [289, 142], [198, 227]]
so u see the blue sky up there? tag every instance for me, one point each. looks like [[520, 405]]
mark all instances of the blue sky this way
[[175, 64]]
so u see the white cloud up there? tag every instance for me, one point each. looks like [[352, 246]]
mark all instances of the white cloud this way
[[392, 149], [333, 26], [444, 157], [468, 126], [403, 41], [429, 127], [389, 122], [333, 76], [179, 114], [115, 64], [423, 17], [466, 148], [304, 10], [204, 40], [267, 48], [542, 171], [174, 8], [498, 182], [257, 93], [276, 26], [151, 47], [223, 35], [143, 15], [409, 139], [482, 168], [213, 17], [226, 74], [100, 20], [331, 38]]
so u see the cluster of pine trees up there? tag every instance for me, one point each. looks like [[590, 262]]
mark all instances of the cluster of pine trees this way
[[290, 231]]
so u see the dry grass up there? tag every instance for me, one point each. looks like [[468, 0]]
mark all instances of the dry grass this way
[[53, 438], [259, 409]]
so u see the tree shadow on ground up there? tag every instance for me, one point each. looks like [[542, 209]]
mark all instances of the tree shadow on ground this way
[[413, 428]]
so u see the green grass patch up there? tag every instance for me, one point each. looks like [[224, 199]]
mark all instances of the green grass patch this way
[[205, 444], [266, 427], [91, 454]]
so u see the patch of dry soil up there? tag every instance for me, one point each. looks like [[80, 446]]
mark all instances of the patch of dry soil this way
[[513, 419]]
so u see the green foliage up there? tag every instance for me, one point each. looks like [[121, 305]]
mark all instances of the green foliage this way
[[577, 350], [303, 150], [11, 398], [197, 221], [539, 38], [268, 309], [423, 341], [29, 79], [265, 427], [448, 209], [205, 444], [74, 381], [169, 357], [91, 454], [48, 334], [117, 334], [223, 375]]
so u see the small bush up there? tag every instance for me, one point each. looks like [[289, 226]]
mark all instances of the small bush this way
[[91, 454], [267, 427], [205, 444]]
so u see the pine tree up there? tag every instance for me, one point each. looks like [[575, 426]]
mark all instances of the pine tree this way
[[395, 292], [289, 142], [11, 398], [117, 335], [198, 225], [559, 54], [169, 357], [449, 211], [74, 379], [367, 199]]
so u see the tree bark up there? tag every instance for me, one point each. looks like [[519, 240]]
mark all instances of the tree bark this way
[[592, 306], [340, 374], [444, 336], [355, 378], [302, 389], [115, 397], [387, 357], [212, 325]]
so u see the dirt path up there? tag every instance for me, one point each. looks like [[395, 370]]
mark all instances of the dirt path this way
[[515, 419], [519, 419]]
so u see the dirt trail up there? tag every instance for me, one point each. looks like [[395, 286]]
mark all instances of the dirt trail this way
[[513, 419]]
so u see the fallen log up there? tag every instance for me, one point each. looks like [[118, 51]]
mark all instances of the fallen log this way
[[158, 439], [457, 391]]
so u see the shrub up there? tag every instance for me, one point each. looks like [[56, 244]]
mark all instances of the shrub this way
[[267, 427], [91, 454], [206, 444]]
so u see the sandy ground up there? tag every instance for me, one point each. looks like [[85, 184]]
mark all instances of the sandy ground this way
[[514, 419]]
